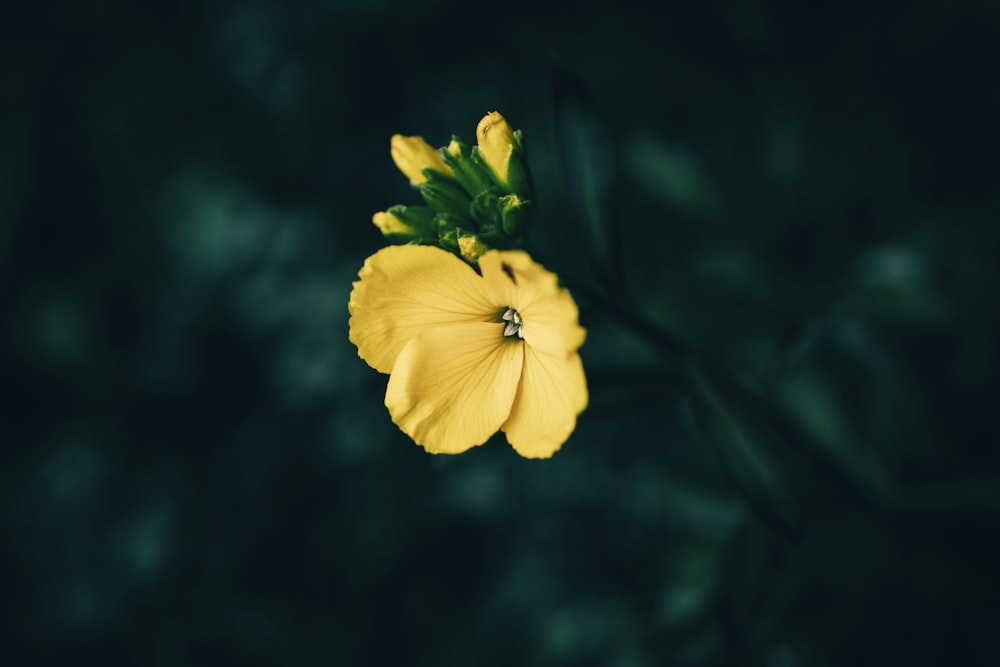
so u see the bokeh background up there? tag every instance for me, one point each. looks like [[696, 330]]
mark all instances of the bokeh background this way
[[780, 222]]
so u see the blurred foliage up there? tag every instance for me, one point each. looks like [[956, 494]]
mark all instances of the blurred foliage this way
[[780, 222]]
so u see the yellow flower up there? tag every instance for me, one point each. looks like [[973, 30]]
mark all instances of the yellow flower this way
[[471, 354], [412, 155], [496, 144]]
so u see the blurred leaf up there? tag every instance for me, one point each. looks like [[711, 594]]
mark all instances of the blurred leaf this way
[[896, 282], [611, 389], [671, 175], [588, 163], [743, 589], [693, 579], [814, 405], [739, 424], [839, 390]]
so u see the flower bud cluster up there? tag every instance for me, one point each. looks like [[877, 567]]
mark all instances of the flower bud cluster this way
[[477, 197]]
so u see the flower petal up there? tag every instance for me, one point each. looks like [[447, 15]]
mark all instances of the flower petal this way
[[407, 290], [550, 315], [553, 391], [453, 386]]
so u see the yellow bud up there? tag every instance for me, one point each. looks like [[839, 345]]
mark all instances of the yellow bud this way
[[471, 248], [390, 224], [413, 154], [496, 143], [406, 223]]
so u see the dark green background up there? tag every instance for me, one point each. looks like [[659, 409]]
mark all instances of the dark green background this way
[[196, 468]]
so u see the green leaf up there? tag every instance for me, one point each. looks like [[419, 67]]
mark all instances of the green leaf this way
[[671, 175], [740, 425], [588, 165]]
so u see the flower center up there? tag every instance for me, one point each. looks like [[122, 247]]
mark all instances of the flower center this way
[[513, 320]]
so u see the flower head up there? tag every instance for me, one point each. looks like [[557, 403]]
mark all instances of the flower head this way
[[482, 191], [471, 354]]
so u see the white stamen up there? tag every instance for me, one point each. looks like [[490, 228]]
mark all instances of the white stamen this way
[[514, 323]]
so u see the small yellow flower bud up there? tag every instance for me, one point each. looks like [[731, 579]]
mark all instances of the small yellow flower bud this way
[[390, 224], [471, 248], [496, 144], [406, 223], [412, 155]]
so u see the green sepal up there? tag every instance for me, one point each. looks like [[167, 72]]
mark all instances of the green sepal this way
[[444, 194], [486, 208], [476, 158], [492, 236], [407, 224], [449, 239], [518, 176], [446, 223], [474, 177], [514, 213], [517, 180]]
